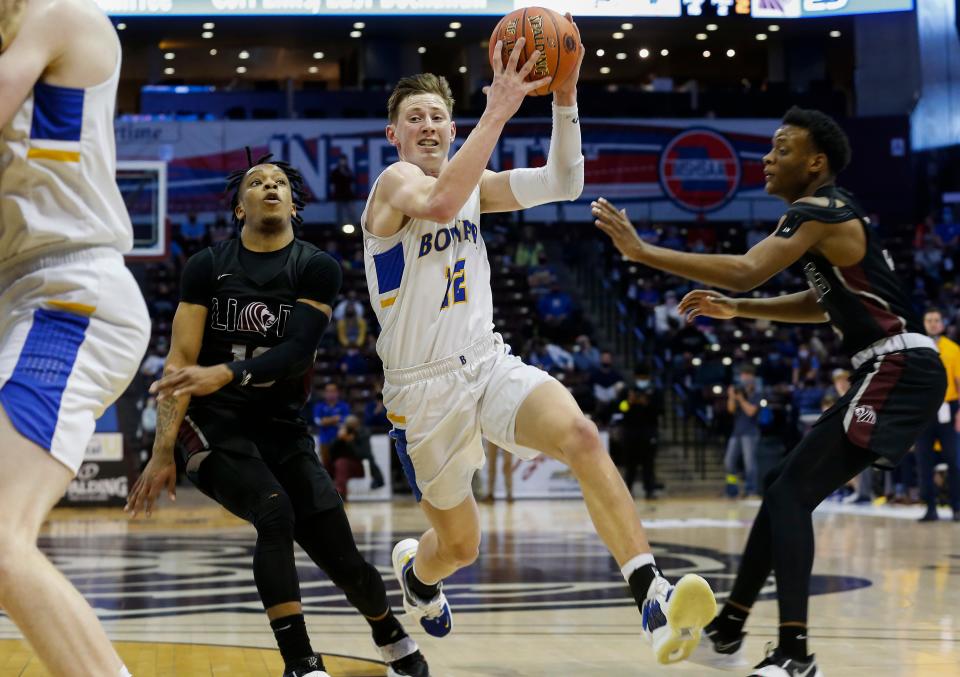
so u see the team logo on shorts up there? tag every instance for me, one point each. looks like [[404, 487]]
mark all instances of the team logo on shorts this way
[[865, 414], [700, 170], [151, 575], [256, 318]]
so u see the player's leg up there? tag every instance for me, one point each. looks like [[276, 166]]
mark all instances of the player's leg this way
[[324, 533], [731, 460], [550, 421], [508, 474], [926, 459], [245, 486], [53, 617], [492, 450], [71, 338], [949, 446]]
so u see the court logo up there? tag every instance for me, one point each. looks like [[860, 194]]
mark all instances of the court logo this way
[[700, 170], [144, 575]]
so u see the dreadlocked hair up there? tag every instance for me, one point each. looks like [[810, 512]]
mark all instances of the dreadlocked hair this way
[[297, 189]]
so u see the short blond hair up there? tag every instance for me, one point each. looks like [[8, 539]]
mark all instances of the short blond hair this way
[[422, 83]]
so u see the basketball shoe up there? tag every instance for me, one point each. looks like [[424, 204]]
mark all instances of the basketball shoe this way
[[674, 616], [434, 615], [308, 667], [403, 659], [778, 665], [716, 652]]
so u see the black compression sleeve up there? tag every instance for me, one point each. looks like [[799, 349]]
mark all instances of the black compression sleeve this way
[[290, 358], [320, 280], [196, 282]]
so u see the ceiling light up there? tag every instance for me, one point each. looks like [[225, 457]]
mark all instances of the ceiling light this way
[[604, 70], [209, 26], [359, 25], [644, 53], [455, 25], [701, 36], [213, 52], [621, 56], [313, 69], [834, 34], [618, 36], [773, 28], [626, 27], [717, 390], [241, 69], [121, 26], [696, 362], [462, 69], [356, 34], [706, 54], [244, 54], [712, 27], [600, 52], [318, 55], [170, 56], [169, 71], [349, 228], [761, 36], [450, 34], [421, 50], [731, 53], [206, 35], [727, 361], [664, 52]]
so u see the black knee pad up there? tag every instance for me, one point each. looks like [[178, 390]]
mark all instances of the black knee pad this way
[[274, 515]]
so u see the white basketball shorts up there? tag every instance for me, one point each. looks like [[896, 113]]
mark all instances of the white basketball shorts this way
[[441, 410], [73, 330]]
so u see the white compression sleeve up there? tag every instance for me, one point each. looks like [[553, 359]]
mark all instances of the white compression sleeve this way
[[562, 177]]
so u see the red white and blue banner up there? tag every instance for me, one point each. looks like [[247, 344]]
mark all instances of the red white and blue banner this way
[[671, 170]]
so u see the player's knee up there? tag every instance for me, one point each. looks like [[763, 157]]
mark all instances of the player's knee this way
[[274, 516], [463, 551], [580, 441], [13, 547]]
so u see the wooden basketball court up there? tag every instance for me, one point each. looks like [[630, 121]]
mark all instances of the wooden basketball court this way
[[176, 593]]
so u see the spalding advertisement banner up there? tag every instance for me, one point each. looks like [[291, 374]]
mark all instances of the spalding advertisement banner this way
[[677, 170]]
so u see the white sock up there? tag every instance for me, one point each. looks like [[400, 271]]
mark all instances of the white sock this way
[[124, 672], [635, 563]]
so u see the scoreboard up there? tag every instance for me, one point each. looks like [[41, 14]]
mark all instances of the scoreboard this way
[[765, 9]]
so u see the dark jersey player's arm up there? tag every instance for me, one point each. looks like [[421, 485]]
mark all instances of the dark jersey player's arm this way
[[185, 340], [318, 288]]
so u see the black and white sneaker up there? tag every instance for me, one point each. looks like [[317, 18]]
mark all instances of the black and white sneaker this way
[[403, 659], [778, 665], [719, 653], [308, 667]]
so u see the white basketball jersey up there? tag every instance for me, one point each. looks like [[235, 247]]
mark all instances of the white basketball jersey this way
[[429, 286], [58, 164]]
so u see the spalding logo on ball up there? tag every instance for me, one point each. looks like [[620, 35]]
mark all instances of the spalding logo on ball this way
[[547, 31], [699, 170]]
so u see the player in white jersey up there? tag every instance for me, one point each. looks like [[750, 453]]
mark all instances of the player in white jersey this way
[[73, 325], [449, 379]]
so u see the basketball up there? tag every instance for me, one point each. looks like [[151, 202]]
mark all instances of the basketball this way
[[546, 30]]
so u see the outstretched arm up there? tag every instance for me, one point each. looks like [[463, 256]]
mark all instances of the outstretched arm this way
[[562, 177], [161, 471], [734, 272], [801, 307]]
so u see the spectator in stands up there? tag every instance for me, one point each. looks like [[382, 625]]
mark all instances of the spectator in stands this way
[[347, 452], [606, 383], [328, 415], [529, 250], [193, 235], [775, 370], [944, 429], [806, 366], [666, 317], [549, 356], [492, 452], [540, 276], [555, 309], [152, 367], [639, 415], [333, 249], [586, 356], [375, 413], [840, 378], [755, 235], [948, 232], [148, 422], [349, 300], [351, 328], [220, 231], [342, 191], [352, 362], [743, 403]]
